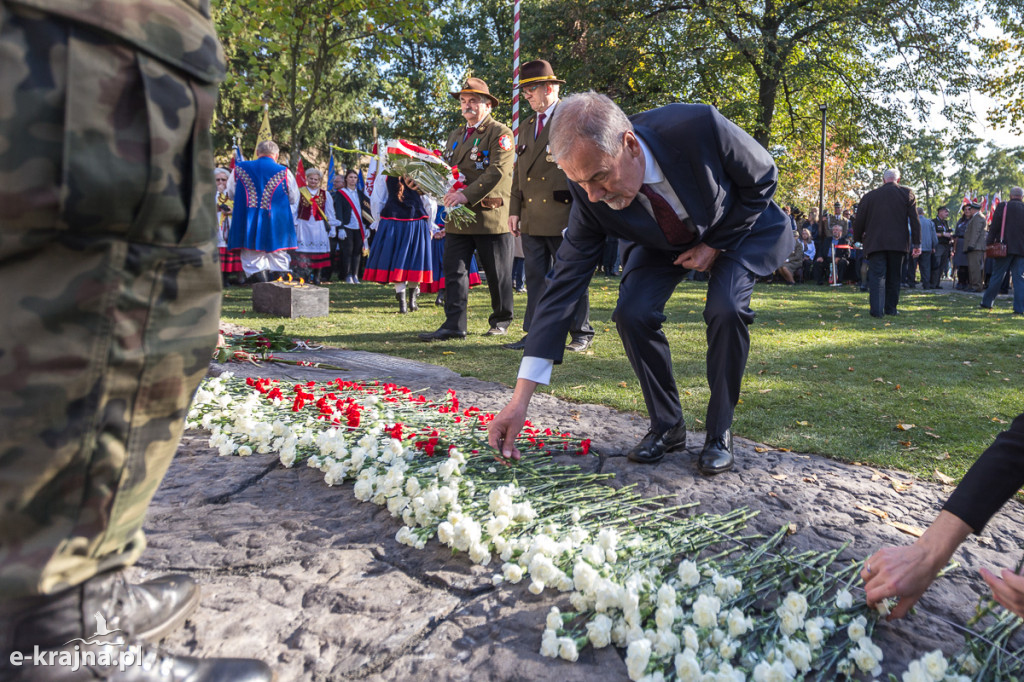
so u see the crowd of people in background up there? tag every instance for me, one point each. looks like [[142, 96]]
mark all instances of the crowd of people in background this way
[[335, 232]]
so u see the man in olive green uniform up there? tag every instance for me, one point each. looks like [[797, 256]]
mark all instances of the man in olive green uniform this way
[[975, 240], [482, 151], [111, 306], [541, 201]]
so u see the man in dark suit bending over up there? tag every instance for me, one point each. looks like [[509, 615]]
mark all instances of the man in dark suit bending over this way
[[684, 189]]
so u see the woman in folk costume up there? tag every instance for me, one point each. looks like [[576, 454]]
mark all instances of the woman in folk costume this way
[[437, 261], [352, 232], [314, 223], [401, 249], [230, 260]]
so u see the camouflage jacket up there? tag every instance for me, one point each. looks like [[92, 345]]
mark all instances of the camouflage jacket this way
[[177, 32]]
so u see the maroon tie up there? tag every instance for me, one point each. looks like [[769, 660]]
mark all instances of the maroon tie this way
[[540, 125], [469, 131], [676, 231]]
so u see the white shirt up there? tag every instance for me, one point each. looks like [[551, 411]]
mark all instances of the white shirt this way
[[539, 369]]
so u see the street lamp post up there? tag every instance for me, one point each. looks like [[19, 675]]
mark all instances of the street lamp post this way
[[821, 169]]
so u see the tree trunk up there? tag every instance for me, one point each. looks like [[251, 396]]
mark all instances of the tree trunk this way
[[767, 91]]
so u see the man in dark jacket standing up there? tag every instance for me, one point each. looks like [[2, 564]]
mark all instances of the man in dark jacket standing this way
[[1008, 227], [881, 224]]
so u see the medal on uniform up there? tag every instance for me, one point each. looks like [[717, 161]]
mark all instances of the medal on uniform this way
[[487, 157], [549, 158], [479, 165]]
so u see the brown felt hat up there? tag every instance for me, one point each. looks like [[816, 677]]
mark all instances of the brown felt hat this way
[[476, 86], [536, 72]]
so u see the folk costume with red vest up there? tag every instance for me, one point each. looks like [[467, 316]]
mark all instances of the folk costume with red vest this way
[[262, 217], [313, 226]]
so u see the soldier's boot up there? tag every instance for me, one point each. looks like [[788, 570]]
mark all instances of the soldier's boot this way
[[414, 294], [402, 307], [109, 618], [148, 611]]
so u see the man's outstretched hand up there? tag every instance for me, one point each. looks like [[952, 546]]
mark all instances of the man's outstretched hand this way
[[503, 430], [506, 425]]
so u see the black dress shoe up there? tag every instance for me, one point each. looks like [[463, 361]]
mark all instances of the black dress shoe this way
[[496, 331], [581, 344], [439, 301], [716, 457], [515, 345], [442, 334], [652, 448]]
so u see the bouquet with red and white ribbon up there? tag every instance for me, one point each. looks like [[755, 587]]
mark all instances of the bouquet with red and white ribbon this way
[[425, 167]]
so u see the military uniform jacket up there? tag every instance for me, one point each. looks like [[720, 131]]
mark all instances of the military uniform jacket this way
[[191, 45], [540, 190], [485, 161]]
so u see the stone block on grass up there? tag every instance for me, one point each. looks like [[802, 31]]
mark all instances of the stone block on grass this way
[[290, 300]]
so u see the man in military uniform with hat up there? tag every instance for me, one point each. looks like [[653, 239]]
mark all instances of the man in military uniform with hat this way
[[482, 151], [105, 152], [541, 201]]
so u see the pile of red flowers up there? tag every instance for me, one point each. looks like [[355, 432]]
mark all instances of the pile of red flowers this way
[[427, 424]]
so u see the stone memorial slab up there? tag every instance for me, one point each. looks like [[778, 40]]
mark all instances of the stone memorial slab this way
[[290, 300]]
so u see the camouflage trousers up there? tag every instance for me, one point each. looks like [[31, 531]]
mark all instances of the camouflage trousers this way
[[111, 292]]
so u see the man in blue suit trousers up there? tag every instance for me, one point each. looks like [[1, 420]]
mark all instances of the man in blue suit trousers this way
[[685, 189]]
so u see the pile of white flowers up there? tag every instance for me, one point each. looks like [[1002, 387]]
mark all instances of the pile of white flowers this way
[[761, 613]]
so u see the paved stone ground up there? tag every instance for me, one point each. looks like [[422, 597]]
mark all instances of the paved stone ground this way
[[312, 581]]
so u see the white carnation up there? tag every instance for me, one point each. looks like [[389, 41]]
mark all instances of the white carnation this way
[[844, 600], [935, 663], [689, 575], [638, 655], [599, 631], [688, 667], [512, 572], [554, 619], [857, 629], [567, 649], [705, 611], [549, 644]]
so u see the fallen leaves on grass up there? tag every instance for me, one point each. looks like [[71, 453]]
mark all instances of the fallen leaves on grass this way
[[943, 478]]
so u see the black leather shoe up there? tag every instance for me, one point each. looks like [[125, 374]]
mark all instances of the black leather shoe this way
[[652, 448], [516, 345], [442, 334], [581, 344], [439, 301], [716, 457], [496, 331]]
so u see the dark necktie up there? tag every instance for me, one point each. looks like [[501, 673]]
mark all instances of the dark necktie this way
[[469, 131], [676, 231], [540, 125]]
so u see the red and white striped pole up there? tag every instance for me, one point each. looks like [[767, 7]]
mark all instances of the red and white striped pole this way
[[515, 72]]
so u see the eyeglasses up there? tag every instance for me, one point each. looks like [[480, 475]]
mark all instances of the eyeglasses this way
[[533, 88]]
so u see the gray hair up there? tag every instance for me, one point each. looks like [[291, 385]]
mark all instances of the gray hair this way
[[221, 171], [891, 175], [314, 170], [267, 148], [588, 118], [1016, 193]]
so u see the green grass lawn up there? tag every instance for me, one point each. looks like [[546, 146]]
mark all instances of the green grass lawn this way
[[823, 375]]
